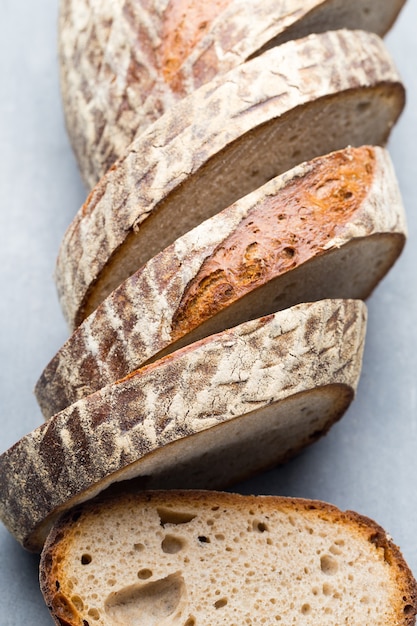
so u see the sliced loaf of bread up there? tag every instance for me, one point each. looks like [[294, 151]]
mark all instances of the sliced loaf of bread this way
[[329, 228], [205, 416], [123, 64], [302, 99], [204, 558]]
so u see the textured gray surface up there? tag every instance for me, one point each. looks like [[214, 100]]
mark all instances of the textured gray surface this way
[[368, 462]]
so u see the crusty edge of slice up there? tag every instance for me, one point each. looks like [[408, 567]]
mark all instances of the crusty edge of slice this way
[[137, 321], [172, 154], [199, 506], [116, 433]]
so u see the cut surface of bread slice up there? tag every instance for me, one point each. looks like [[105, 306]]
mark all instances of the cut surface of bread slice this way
[[205, 416], [203, 558], [330, 228], [123, 64], [293, 103]]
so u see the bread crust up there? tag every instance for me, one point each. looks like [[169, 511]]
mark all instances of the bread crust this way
[[183, 419], [123, 64], [220, 143], [59, 553], [317, 209]]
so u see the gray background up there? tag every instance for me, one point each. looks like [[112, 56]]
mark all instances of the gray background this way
[[368, 462]]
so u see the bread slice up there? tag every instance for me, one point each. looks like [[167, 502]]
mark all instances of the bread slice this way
[[225, 140], [123, 64], [204, 558], [338, 216], [206, 416]]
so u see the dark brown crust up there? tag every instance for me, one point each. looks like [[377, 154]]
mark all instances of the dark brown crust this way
[[56, 543], [125, 429]]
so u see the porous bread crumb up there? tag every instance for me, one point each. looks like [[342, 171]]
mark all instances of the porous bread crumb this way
[[198, 559]]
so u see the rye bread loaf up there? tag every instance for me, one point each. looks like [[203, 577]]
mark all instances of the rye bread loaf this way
[[329, 228], [204, 558], [124, 63], [205, 416], [305, 98]]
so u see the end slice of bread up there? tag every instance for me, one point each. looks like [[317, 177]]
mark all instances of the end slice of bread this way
[[295, 102], [204, 558], [329, 228], [206, 416]]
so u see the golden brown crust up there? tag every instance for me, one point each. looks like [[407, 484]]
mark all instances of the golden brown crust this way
[[184, 24], [311, 210]]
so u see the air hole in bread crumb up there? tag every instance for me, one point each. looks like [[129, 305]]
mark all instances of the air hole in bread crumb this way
[[408, 609], [77, 602], [220, 603], [203, 539], [169, 516], [219, 537], [328, 565], [327, 589], [94, 614], [260, 526], [139, 547], [190, 622], [86, 559], [171, 544], [144, 574], [306, 609], [145, 604]]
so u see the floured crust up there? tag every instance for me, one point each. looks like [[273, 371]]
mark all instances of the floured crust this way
[[176, 298], [187, 418], [210, 556], [220, 143], [123, 64]]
